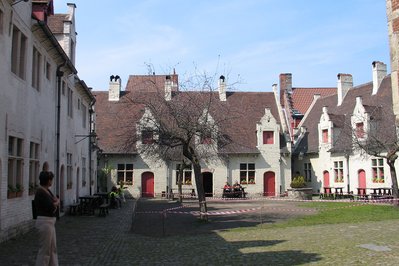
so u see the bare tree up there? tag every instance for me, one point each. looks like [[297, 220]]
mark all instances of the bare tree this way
[[374, 133], [183, 125]]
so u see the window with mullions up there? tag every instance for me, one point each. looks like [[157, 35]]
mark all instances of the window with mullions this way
[[84, 115], [34, 166], [125, 173], [84, 169], [36, 68], [339, 171], [69, 170], [70, 103], [187, 172], [18, 53], [247, 173], [377, 167], [1, 21], [308, 172], [15, 162]]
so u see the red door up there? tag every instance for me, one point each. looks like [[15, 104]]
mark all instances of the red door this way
[[361, 177], [326, 178], [269, 184], [147, 185]]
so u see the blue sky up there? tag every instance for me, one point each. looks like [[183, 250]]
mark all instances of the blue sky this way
[[249, 41]]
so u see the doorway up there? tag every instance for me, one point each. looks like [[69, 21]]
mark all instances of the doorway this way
[[147, 185], [269, 184], [207, 181]]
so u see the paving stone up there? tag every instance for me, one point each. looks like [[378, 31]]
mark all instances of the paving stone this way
[[118, 240]]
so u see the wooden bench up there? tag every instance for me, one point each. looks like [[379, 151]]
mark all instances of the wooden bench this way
[[104, 209]]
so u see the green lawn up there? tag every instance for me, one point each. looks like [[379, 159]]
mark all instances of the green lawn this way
[[340, 212]]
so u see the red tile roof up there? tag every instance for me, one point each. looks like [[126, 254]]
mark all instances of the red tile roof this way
[[149, 83], [302, 98]]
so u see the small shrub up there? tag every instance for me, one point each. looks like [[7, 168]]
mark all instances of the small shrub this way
[[298, 182]]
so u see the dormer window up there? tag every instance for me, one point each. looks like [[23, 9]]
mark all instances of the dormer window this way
[[268, 137], [324, 133], [359, 130], [206, 138], [147, 137]]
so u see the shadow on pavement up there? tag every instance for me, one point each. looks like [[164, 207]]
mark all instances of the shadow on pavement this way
[[161, 218]]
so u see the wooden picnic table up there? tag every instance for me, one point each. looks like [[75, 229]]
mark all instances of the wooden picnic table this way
[[88, 204]]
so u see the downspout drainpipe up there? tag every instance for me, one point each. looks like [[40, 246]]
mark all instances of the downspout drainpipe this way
[[347, 172], [57, 161], [91, 134]]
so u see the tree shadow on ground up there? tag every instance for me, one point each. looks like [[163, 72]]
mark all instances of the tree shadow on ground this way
[[167, 230], [162, 218]]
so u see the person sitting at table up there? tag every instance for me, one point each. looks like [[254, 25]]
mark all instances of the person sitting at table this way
[[121, 191], [115, 199], [237, 189], [226, 190]]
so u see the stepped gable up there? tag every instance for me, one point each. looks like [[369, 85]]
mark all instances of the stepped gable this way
[[341, 115]]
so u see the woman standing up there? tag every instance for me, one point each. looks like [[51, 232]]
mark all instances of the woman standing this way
[[46, 207]]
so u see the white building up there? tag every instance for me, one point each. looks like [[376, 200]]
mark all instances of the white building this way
[[325, 152], [258, 157], [44, 112]]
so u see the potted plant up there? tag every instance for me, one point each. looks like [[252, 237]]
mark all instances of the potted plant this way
[[298, 189], [251, 181], [298, 182], [19, 189], [11, 192]]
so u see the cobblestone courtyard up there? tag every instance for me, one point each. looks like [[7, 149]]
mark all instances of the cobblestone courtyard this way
[[179, 239]]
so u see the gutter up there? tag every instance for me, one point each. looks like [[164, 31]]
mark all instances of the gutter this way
[[51, 37]]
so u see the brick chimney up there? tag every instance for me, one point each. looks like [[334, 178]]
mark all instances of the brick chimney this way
[[114, 91], [222, 88], [345, 83], [285, 87], [379, 72], [168, 88]]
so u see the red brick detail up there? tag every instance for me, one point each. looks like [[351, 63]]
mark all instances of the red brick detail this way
[[395, 5], [395, 25]]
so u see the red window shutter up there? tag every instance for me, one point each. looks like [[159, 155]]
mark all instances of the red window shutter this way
[[325, 135], [268, 137], [359, 130]]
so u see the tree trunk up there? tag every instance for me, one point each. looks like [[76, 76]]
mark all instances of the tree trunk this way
[[188, 152], [179, 183], [395, 192], [201, 192]]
